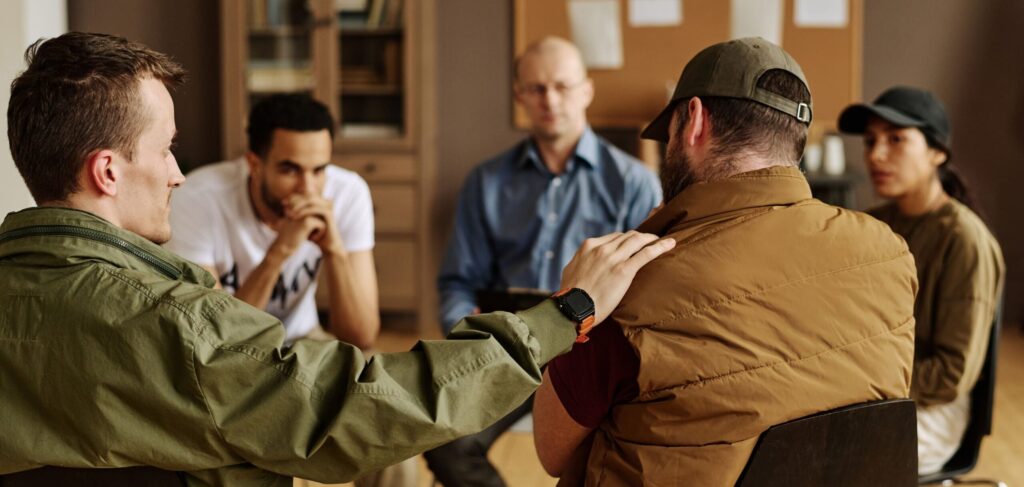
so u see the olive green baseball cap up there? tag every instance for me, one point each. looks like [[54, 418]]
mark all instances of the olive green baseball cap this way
[[731, 70]]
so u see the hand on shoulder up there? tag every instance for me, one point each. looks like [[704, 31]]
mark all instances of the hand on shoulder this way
[[605, 266]]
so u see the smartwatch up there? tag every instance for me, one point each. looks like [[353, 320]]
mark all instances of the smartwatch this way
[[576, 305]]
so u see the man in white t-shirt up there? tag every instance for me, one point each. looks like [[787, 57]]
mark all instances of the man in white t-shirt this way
[[267, 224]]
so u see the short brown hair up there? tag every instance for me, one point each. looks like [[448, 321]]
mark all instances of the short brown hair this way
[[744, 126], [79, 95]]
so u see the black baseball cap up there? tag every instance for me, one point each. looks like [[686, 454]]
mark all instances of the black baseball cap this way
[[731, 70], [902, 106]]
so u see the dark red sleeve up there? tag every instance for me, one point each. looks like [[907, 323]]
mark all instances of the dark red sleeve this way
[[597, 375]]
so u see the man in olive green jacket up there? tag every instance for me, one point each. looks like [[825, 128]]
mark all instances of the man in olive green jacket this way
[[116, 353]]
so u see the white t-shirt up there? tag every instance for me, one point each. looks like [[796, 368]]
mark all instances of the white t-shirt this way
[[214, 225]]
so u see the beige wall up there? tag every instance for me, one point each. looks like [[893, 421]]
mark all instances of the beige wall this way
[[475, 93], [22, 22], [969, 54], [188, 30]]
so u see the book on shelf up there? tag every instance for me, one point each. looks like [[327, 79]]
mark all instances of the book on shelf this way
[[280, 63], [350, 5], [373, 20], [385, 14], [258, 15], [392, 63], [269, 14], [359, 75], [393, 14], [278, 78], [370, 89], [352, 20], [370, 130]]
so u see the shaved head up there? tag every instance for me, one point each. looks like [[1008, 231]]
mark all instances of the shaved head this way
[[552, 86], [554, 48]]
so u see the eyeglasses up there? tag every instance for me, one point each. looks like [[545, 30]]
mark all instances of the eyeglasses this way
[[540, 90]]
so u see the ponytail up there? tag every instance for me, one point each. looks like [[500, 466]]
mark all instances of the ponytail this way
[[951, 180], [954, 185]]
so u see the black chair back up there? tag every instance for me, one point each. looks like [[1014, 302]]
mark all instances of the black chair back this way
[[93, 477], [867, 444], [983, 398]]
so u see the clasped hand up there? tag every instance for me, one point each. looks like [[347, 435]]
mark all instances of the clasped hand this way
[[307, 217]]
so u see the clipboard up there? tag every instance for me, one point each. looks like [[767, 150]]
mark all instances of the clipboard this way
[[511, 299]]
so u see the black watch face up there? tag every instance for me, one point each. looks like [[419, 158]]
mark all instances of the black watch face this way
[[579, 303]]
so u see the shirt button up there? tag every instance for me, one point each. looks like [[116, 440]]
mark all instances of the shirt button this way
[[557, 182], [549, 255], [552, 217]]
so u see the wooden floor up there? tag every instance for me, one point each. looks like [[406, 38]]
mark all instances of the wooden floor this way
[[514, 456], [999, 452]]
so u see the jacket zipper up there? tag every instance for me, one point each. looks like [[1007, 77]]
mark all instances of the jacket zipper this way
[[71, 231]]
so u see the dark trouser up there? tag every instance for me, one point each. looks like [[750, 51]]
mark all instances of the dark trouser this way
[[463, 462]]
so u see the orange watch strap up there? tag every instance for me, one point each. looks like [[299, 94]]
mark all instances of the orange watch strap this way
[[585, 326]]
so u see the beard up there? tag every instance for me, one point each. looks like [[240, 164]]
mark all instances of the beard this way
[[273, 204], [677, 174]]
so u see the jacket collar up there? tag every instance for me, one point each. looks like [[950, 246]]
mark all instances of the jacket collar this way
[[773, 186], [121, 248]]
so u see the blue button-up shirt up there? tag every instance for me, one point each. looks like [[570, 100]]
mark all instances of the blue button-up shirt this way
[[518, 224]]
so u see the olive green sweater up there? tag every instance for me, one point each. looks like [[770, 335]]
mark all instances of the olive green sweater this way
[[960, 270]]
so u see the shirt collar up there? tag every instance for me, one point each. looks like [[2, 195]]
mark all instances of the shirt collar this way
[[773, 186], [588, 150]]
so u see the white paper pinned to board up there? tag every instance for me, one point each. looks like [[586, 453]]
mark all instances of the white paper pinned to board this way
[[757, 18], [655, 13], [597, 30], [821, 13]]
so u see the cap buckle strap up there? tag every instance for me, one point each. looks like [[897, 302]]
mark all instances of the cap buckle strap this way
[[803, 112]]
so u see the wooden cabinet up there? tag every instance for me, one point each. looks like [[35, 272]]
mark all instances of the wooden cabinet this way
[[380, 167], [396, 270], [372, 63]]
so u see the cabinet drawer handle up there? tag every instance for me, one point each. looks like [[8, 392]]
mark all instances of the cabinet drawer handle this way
[[370, 167]]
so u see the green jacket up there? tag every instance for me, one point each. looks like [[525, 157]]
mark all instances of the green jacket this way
[[115, 352]]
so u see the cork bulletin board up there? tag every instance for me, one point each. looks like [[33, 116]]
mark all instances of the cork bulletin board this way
[[653, 57]]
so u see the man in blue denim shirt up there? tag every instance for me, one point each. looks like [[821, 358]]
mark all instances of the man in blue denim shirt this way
[[522, 215]]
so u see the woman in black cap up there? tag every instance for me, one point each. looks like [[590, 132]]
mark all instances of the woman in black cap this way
[[959, 264]]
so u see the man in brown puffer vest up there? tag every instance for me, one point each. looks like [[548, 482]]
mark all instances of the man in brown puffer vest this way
[[772, 306]]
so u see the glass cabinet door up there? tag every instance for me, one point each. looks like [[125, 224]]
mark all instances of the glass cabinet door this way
[[371, 94], [279, 48], [352, 55]]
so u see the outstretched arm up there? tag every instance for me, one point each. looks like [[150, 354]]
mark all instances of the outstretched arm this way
[[346, 418]]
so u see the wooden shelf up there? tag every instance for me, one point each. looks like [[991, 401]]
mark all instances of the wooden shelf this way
[[366, 89], [278, 91], [280, 31], [371, 31]]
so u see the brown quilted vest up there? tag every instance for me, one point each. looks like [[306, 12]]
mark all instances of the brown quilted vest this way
[[772, 306]]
